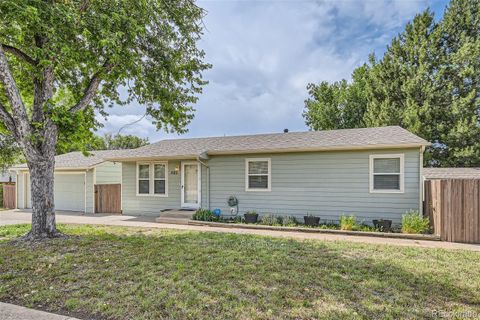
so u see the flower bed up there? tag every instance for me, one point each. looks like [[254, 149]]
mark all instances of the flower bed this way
[[412, 222]]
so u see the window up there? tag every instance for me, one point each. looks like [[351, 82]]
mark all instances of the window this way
[[152, 178], [258, 175], [386, 173]]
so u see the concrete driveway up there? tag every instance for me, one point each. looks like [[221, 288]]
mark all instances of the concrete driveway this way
[[19, 216]]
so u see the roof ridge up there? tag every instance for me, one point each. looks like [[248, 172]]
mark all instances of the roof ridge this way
[[273, 134]]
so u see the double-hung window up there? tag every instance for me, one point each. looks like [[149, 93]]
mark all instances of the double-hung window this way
[[152, 178], [258, 174], [387, 173]]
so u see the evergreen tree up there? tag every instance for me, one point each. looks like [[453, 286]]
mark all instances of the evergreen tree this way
[[428, 82]]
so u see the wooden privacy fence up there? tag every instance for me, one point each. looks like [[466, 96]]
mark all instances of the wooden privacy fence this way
[[453, 207], [9, 196], [108, 198]]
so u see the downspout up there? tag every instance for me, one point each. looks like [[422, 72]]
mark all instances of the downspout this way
[[207, 182], [422, 181]]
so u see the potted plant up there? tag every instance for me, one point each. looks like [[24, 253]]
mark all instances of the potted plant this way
[[383, 225], [311, 220], [251, 217]]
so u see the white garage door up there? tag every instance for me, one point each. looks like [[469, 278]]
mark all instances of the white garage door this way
[[69, 192]]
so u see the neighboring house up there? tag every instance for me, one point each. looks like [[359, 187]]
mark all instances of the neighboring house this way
[[6, 177], [75, 176], [370, 173], [451, 173]]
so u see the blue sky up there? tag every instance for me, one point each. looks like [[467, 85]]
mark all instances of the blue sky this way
[[264, 53]]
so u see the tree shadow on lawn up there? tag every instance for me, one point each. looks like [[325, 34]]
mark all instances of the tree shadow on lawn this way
[[207, 275]]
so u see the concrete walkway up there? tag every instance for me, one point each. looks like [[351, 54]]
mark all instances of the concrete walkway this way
[[17, 216], [12, 312]]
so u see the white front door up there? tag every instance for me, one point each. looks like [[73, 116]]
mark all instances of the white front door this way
[[190, 185]]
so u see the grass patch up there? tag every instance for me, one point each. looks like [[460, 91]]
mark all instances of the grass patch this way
[[134, 273]]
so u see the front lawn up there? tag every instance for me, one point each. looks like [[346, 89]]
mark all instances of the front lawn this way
[[133, 273]]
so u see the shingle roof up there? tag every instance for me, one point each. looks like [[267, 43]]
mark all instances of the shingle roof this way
[[77, 160], [344, 139], [451, 173]]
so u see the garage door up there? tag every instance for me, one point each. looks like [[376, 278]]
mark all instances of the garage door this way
[[69, 192]]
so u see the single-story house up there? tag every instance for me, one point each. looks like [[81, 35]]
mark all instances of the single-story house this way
[[370, 173]]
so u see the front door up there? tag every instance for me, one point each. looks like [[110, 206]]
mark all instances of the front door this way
[[190, 185]]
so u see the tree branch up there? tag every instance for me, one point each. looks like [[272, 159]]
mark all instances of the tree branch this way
[[7, 119], [92, 88], [19, 113], [20, 54]]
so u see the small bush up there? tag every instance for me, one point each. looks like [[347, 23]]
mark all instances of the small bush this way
[[289, 221], [1, 196], [413, 222], [204, 215], [271, 220], [348, 222]]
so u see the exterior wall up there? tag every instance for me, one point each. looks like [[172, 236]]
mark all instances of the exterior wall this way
[[108, 173], [20, 191], [149, 204], [89, 192], [326, 184]]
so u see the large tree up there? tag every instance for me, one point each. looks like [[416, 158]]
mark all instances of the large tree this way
[[61, 60], [428, 81]]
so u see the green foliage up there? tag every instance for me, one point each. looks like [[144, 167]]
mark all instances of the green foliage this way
[[428, 82], [118, 141], [251, 213], [271, 220], [10, 153], [338, 105], [147, 47], [204, 215], [289, 221], [348, 222], [413, 222], [1, 196]]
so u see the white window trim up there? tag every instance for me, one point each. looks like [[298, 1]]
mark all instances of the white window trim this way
[[269, 160], [151, 179], [401, 156]]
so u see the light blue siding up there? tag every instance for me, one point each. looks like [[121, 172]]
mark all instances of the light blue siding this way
[[152, 205], [20, 190], [148, 205], [109, 173], [89, 189], [326, 184]]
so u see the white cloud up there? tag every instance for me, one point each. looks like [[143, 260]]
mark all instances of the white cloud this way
[[265, 52]]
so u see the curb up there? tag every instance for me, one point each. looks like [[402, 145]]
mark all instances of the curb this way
[[428, 237]]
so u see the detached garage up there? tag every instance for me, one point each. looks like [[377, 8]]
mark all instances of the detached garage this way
[[77, 180]]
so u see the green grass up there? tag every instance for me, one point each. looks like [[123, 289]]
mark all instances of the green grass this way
[[133, 273]]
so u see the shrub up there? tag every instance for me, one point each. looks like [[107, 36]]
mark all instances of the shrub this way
[[204, 215], [413, 222], [348, 222], [289, 221], [1, 196], [271, 220]]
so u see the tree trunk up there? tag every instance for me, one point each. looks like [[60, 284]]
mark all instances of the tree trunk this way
[[42, 167], [43, 205]]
